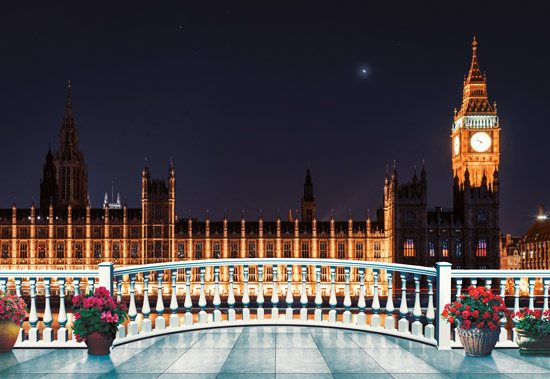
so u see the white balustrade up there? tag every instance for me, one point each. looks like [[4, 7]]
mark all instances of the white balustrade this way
[[429, 329]]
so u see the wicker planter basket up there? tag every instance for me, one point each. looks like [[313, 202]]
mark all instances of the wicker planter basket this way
[[478, 342]]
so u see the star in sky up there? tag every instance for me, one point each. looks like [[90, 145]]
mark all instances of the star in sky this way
[[363, 71]]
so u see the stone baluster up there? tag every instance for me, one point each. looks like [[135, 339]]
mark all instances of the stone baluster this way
[[318, 296], [274, 296], [403, 324], [375, 319], [473, 282], [289, 298], [346, 318], [531, 293], [118, 289], [216, 302], [33, 314], [76, 289], [303, 295], [132, 310], [160, 322], [231, 314], [503, 337], [260, 297], [389, 323], [545, 295], [3, 284], [18, 294], [517, 284], [488, 283], [361, 304], [47, 333], [417, 311], [188, 302], [62, 332], [429, 330], [174, 321], [332, 314], [146, 308], [246, 296], [458, 288], [91, 285], [203, 319]]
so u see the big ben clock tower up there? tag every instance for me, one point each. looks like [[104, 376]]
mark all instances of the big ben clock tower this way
[[475, 132], [475, 149]]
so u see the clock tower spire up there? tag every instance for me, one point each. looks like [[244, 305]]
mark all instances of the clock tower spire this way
[[475, 131]]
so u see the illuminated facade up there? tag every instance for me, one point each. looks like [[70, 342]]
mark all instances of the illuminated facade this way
[[65, 232], [535, 244]]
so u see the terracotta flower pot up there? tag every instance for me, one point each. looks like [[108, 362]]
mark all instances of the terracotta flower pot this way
[[99, 343], [9, 331], [532, 345], [478, 342]]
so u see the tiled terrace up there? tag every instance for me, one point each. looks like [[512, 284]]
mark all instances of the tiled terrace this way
[[271, 352]]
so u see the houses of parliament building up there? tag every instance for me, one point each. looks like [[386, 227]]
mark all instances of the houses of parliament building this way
[[64, 232]]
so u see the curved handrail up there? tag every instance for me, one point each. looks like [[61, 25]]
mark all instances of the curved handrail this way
[[49, 273], [420, 270], [499, 273]]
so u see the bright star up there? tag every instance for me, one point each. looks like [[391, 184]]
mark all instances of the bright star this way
[[363, 71]]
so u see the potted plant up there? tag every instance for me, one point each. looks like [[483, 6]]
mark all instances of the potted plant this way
[[533, 331], [96, 318], [477, 317], [12, 312]]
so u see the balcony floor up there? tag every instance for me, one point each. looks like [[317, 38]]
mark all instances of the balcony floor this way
[[271, 352]]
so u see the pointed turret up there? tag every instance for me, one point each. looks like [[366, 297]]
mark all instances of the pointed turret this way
[[308, 203]]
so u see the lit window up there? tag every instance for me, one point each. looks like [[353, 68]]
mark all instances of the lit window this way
[[181, 250], [198, 250], [97, 250], [287, 250], [305, 250], [377, 250], [216, 249], [116, 251], [408, 248], [359, 250], [481, 249], [78, 251], [341, 250], [251, 249], [458, 248], [431, 248], [60, 251], [445, 248], [234, 249], [134, 250], [269, 250], [323, 250], [23, 251]]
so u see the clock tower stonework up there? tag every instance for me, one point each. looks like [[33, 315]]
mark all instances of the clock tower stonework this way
[[475, 133]]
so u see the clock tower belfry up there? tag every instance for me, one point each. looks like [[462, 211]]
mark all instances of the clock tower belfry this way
[[475, 132]]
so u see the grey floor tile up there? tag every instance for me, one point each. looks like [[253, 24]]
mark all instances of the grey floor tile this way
[[47, 363], [375, 341], [300, 361], [506, 364], [362, 376], [149, 362], [423, 376], [141, 344], [250, 361], [217, 341], [199, 361], [353, 361], [295, 340], [408, 363], [246, 376], [188, 376], [450, 361], [334, 341], [256, 340], [178, 340], [485, 376], [91, 364], [19, 356], [304, 376]]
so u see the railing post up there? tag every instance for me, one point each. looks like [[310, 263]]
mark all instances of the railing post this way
[[443, 328], [106, 276]]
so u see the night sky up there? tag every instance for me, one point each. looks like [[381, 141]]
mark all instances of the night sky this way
[[245, 96]]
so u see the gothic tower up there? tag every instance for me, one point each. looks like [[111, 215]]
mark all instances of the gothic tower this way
[[475, 132], [308, 204], [67, 166], [475, 162]]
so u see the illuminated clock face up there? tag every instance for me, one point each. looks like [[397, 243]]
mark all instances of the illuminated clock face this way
[[480, 142], [456, 145]]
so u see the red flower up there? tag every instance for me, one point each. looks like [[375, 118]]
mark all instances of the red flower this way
[[451, 320], [466, 324]]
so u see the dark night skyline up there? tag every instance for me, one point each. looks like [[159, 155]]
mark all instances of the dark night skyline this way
[[245, 97]]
